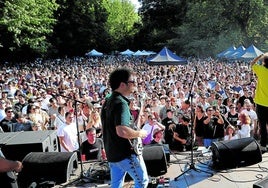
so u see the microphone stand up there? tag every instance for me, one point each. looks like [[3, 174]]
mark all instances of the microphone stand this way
[[77, 128], [192, 164]]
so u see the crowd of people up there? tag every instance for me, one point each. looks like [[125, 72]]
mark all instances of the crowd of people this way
[[213, 99]]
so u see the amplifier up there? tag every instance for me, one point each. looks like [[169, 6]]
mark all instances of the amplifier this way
[[16, 145]]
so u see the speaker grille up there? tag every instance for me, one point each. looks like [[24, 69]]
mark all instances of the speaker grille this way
[[235, 153]]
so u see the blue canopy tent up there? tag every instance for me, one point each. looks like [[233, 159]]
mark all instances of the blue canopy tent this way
[[127, 52], [94, 53], [250, 53], [226, 52], [148, 52], [166, 57], [237, 53]]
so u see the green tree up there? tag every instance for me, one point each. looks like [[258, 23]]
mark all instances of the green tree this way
[[27, 23], [121, 21], [213, 25], [158, 19], [80, 27]]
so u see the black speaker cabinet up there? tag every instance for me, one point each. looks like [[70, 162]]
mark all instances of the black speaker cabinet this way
[[16, 145], [40, 167], [235, 153], [155, 160]]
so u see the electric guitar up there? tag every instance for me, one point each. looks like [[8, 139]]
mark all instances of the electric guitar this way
[[136, 143]]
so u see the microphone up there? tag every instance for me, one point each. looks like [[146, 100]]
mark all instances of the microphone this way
[[196, 70]]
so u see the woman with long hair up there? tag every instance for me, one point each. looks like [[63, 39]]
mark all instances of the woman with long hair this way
[[198, 124], [95, 121], [244, 132]]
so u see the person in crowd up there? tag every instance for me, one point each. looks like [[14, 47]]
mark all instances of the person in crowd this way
[[134, 109], [60, 118], [213, 126], [212, 98], [2, 109], [22, 123], [93, 147], [87, 108], [230, 133], [35, 116], [169, 122], [222, 108], [149, 127], [244, 130], [182, 135], [95, 121], [158, 137], [44, 115], [52, 112], [4, 95], [7, 123], [260, 98], [248, 109], [232, 115], [68, 134], [122, 156], [156, 105], [198, 125], [202, 100], [30, 101], [245, 95], [163, 110], [20, 104]]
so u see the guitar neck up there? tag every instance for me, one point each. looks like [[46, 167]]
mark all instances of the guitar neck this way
[[138, 125]]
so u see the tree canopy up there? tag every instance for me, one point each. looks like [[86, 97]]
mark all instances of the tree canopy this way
[[59, 28]]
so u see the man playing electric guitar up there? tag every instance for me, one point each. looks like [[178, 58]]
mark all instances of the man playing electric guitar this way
[[116, 120]]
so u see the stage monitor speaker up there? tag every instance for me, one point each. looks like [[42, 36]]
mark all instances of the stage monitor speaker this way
[[16, 145], [263, 183], [40, 167], [155, 160], [235, 153]]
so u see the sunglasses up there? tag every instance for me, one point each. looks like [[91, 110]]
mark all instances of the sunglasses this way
[[131, 81]]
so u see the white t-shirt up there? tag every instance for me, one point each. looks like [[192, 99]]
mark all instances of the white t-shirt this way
[[244, 132], [69, 134]]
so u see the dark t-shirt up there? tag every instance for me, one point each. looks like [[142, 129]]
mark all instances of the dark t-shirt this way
[[92, 151], [213, 129], [199, 127], [232, 119], [115, 112], [183, 132], [7, 125], [168, 134]]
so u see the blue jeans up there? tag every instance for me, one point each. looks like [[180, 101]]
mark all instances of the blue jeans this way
[[135, 167]]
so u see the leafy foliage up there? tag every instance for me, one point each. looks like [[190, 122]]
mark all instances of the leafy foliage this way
[[213, 25], [29, 22], [121, 20], [57, 28]]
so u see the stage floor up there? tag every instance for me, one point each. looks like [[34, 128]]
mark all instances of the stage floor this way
[[208, 177]]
